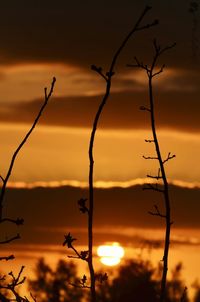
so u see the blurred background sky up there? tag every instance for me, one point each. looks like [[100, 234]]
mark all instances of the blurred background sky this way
[[42, 39]]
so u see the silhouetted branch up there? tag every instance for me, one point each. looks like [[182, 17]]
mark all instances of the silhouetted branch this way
[[159, 50], [83, 255], [168, 157], [82, 283], [154, 177], [155, 22], [151, 74], [10, 239], [157, 212], [108, 78], [143, 108], [5, 180], [15, 282], [2, 178], [18, 221], [153, 187], [159, 176], [34, 299], [150, 157], [7, 258], [160, 71], [99, 71]]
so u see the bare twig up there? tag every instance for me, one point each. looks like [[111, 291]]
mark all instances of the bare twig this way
[[157, 177], [14, 283], [10, 239], [154, 177], [18, 221], [169, 157], [7, 258], [149, 157], [167, 216], [5, 180], [153, 187], [34, 298], [157, 212]]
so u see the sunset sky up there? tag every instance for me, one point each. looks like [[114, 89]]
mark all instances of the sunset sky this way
[[42, 39]]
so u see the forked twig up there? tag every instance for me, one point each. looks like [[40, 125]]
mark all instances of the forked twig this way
[[162, 174]]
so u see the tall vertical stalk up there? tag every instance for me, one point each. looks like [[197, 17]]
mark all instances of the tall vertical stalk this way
[[151, 73], [108, 79], [89, 210]]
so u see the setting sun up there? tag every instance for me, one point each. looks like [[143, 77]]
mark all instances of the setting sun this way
[[110, 254]]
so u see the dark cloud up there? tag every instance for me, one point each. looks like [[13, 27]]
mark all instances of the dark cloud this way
[[61, 204], [86, 32], [177, 110]]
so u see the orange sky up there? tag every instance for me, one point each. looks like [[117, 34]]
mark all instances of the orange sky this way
[[42, 39], [33, 52], [59, 154]]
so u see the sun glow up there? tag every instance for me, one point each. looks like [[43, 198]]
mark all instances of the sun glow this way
[[110, 254]]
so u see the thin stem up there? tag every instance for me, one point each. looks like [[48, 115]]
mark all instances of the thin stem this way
[[5, 180], [165, 190], [162, 174], [108, 79], [10, 239], [167, 215]]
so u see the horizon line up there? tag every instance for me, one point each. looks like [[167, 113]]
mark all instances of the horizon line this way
[[99, 184]]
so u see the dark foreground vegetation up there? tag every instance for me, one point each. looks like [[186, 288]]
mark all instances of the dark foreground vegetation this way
[[135, 280]]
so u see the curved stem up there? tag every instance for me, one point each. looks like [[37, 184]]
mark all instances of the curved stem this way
[[5, 180], [108, 79], [165, 193]]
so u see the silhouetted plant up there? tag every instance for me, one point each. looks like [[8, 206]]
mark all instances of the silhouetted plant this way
[[138, 280], [19, 221], [16, 281], [54, 285], [134, 282], [175, 289], [89, 208], [152, 72], [10, 288]]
